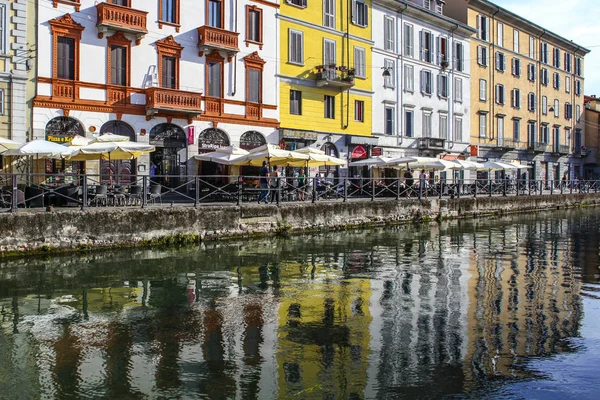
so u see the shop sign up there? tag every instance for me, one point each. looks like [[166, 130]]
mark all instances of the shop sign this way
[[168, 135], [358, 152], [474, 150], [298, 134], [376, 152], [191, 134], [212, 139]]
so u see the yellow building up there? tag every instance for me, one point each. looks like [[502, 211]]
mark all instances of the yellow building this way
[[325, 74], [526, 91]]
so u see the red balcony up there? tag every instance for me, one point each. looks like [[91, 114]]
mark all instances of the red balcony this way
[[121, 18], [173, 101], [211, 38], [64, 89]]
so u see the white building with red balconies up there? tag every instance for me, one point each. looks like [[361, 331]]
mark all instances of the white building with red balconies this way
[[186, 76]]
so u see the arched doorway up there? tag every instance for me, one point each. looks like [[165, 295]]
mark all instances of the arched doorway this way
[[119, 172], [330, 171], [62, 130], [210, 140], [169, 158]]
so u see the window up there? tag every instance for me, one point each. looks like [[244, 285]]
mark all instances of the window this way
[[360, 62], [500, 62], [296, 47], [359, 111], [389, 33], [426, 82], [168, 12], [516, 41], [426, 44], [578, 113], [544, 133], [556, 135], [298, 3], [458, 128], [459, 56], [556, 80], [483, 27], [515, 98], [329, 107], [408, 40], [500, 32], [360, 13], [118, 65], [215, 13], [426, 124], [329, 53], [443, 86], [499, 94], [408, 123], [65, 58], [544, 52], [482, 56], [388, 81], [556, 57], [442, 46], [578, 66], [531, 129], [3, 29], [544, 105], [516, 67], [482, 125], [458, 90], [254, 85], [500, 133], [531, 102], [389, 121], [577, 88], [409, 78], [531, 72], [568, 84], [1, 102], [544, 73], [254, 24], [568, 111], [516, 130], [443, 126], [556, 108], [295, 102], [439, 7], [215, 84], [329, 13], [568, 65], [427, 4], [482, 90], [531, 47]]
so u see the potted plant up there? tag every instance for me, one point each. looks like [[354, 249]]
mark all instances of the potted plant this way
[[351, 72], [444, 64], [332, 65]]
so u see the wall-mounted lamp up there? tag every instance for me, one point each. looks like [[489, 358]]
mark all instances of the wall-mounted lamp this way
[[551, 109], [386, 72]]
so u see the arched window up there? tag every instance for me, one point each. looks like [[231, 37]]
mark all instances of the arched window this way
[[330, 149], [168, 135], [118, 128], [252, 139], [212, 139], [63, 129]]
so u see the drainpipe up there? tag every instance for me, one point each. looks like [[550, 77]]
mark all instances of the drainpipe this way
[[348, 19], [451, 129], [398, 74], [235, 57]]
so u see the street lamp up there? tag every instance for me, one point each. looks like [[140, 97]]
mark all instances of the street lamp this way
[[386, 72]]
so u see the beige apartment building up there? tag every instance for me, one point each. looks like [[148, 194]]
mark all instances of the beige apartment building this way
[[527, 86]]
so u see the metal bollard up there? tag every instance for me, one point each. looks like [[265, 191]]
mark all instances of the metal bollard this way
[[15, 191], [372, 189], [345, 189]]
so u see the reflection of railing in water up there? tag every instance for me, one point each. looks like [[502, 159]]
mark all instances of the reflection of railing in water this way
[[239, 189]]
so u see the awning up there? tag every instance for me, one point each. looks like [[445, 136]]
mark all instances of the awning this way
[[363, 140]]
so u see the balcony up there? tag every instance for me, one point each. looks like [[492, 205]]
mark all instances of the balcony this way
[[65, 90], [539, 147], [332, 76], [211, 38], [508, 144], [121, 18], [173, 101], [580, 152], [431, 144], [560, 149]]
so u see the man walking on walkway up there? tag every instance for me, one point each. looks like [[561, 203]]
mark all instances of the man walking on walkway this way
[[264, 183]]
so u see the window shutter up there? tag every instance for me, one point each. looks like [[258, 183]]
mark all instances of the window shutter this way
[[519, 68], [479, 54], [422, 44], [439, 49], [503, 58], [480, 27], [431, 48], [423, 81], [354, 11]]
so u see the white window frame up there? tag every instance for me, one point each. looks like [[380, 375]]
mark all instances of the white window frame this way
[[577, 87], [408, 46], [389, 81], [458, 90], [483, 34], [459, 56], [409, 78], [443, 126], [1, 101], [442, 83], [389, 33], [428, 56], [500, 94], [325, 106], [359, 111], [516, 129], [427, 124], [291, 57], [392, 113], [329, 17], [531, 72], [568, 84], [500, 61], [298, 3], [516, 41], [532, 47], [568, 62], [482, 90], [556, 57], [544, 52], [360, 62], [556, 81], [515, 98], [516, 67], [409, 115], [358, 18], [531, 102], [482, 125], [544, 105], [556, 108], [3, 28], [578, 113], [426, 82], [482, 55], [328, 43], [458, 129], [500, 34], [500, 128]]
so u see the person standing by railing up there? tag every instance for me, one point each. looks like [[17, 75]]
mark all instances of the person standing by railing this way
[[275, 182], [264, 183], [301, 185]]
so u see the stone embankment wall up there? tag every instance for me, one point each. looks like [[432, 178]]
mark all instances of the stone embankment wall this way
[[73, 229]]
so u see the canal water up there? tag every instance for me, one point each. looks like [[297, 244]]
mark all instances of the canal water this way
[[502, 308]]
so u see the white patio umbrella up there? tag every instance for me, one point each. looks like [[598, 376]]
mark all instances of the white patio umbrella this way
[[435, 164], [272, 154], [111, 151], [317, 157], [497, 165], [41, 149], [520, 166], [378, 162], [7, 144], [468, 165], [229, 155], [81, 141], [111, 137]]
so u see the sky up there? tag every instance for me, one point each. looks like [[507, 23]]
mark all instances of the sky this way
[[576, 20]]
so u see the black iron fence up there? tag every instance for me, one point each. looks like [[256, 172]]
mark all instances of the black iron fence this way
[[20, 191]]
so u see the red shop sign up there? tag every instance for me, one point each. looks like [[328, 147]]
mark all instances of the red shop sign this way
[[376, 152], [358, 152]]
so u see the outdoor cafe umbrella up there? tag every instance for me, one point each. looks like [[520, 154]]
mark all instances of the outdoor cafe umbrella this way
[[468, 165], [229, 155], [7, 144], [316, 158], [111, 151], [436, 164], [378, 162], [41, 149], [271, 154], [496, 166]]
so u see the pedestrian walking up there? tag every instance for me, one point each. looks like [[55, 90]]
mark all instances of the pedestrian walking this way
[[275, 183], [301, 185], [264, 183]]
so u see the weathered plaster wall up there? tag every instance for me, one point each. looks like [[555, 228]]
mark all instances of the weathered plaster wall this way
[[104, 227]]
